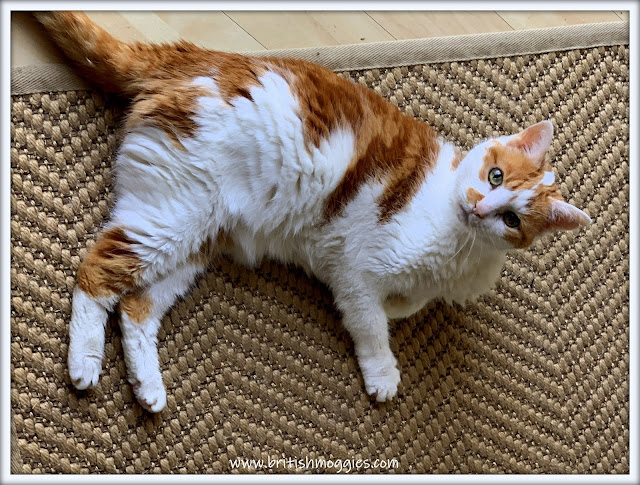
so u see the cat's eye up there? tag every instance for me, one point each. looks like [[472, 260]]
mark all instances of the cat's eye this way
[[511, 219], [495, 177]]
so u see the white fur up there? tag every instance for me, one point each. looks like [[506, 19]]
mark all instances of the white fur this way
[[86, 338], [548, 178], [248, 171]]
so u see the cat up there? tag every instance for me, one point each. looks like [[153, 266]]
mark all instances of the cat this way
[[258, 157]]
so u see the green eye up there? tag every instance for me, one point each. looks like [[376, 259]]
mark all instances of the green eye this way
[[495, 177], [511, 219]]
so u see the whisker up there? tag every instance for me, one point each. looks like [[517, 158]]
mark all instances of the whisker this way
[[458, 251], [470, 249]]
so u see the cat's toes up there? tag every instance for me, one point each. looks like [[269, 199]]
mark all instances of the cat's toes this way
[[84, 371], [381, 378], [151, 395], [384, 387]]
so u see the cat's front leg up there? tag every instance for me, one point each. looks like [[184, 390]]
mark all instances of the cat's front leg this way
[[379, 367], [366, 321]]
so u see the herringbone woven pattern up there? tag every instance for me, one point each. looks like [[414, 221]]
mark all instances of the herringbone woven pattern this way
[[532, 378]]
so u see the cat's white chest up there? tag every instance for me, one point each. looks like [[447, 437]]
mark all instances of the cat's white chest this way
[[459, 280]]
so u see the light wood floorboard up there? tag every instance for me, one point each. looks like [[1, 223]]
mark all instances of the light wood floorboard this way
[[537, 20], [414, 25], [239, 31], [310, 29]]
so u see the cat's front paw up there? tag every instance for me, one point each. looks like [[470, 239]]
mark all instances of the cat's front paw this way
[[84, 370], [151, 394], [381, 377]]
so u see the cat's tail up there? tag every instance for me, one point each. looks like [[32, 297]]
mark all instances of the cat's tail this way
[[114, 65]]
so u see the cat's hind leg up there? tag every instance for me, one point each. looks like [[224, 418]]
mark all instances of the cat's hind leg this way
[[141, 314], [109, 269]]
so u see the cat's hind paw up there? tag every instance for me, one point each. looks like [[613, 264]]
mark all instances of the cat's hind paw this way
[[151, 395], [84, 371]]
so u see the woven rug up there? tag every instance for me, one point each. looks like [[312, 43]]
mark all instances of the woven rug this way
[[533, 378]]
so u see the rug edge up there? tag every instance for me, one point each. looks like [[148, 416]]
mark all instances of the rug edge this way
[[396, 53], [460, 47]]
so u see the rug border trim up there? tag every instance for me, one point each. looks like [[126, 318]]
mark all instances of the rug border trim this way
[[396, 53]]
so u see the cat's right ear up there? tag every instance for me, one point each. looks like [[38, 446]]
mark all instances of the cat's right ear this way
[[565, 217]]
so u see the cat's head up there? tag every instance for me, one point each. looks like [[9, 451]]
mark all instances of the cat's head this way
[[507, 193]]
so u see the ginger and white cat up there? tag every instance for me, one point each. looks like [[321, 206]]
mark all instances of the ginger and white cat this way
[[279, 158]]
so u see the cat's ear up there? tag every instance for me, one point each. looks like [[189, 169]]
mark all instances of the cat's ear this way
[[535, 140], [565, 217]]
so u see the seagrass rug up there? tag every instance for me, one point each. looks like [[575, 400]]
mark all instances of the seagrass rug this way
[[532, 378]]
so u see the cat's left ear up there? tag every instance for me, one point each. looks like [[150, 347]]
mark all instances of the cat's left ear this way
[[565, 217], [535, 140]]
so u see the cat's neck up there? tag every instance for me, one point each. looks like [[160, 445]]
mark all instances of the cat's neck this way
[[436, 200], [432, 232]]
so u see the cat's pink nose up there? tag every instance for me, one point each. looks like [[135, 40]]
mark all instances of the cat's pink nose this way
[[478, 210]]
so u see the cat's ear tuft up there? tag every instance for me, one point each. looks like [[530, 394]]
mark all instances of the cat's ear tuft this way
[[535, 140], [565, 217]]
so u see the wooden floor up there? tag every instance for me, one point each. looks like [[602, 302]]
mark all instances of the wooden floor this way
[[254, 31]]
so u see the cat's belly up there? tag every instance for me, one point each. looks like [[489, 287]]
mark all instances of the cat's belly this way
[[266, 173], [403, 306], [398, 306], [409, 293], [248, 170]]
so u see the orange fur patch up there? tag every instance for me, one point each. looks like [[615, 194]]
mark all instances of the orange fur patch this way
[[389, 145], [122, 67], [137, 306], [326, 100], [183, 61], [209, 249], [97, 54], [473, 196], [416, 157], [170, 101], [111, 267], [532, 223], [519, 171], [168, 107]]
